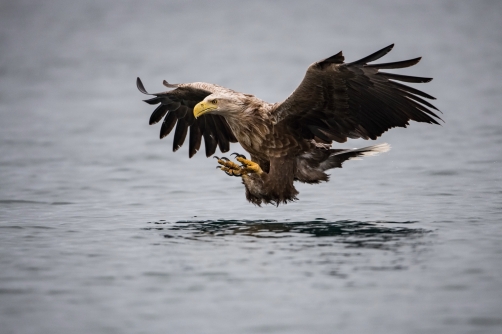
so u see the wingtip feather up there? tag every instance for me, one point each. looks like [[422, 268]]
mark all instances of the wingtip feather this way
[[168, 85], [395, 65], [140, 86], [374, 56]]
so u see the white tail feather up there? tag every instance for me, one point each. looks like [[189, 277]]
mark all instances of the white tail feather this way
[[367, 151]]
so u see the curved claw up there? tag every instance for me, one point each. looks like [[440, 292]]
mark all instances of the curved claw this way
[[225, 158], [218, 167], [215, 157], [237, 155]]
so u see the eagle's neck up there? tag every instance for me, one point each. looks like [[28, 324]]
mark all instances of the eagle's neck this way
[[252, 125]]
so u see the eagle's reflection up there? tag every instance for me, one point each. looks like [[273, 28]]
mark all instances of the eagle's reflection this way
[[376, 234]]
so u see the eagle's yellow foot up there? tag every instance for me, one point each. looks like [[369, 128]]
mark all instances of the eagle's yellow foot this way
[[233, 169], [227, 163], [229, 167], [230, 171], [248, 166]]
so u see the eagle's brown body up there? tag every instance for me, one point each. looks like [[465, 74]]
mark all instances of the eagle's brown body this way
[[291, 141]]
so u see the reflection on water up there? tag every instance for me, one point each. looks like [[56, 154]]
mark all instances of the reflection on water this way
[[379, 234]]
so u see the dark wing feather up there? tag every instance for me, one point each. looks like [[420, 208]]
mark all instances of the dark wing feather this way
[[210, 141], [158, 113], [195, 139], [223, 142], [405, 78], [178, 105], [180, 134], [338, 100], [396, 64], [168, 124]]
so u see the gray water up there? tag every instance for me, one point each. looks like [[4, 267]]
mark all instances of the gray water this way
[[104, 230]]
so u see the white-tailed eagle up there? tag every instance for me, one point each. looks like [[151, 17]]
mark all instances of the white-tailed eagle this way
[[291, 141]]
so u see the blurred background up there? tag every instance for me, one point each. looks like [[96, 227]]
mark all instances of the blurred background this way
[[104, 229]]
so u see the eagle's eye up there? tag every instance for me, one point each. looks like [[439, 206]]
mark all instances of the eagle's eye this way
[[214, 101]]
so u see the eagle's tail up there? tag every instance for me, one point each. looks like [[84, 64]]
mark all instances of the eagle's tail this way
[[337, 157]]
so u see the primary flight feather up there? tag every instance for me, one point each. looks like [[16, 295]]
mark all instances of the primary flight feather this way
[[291, 141]]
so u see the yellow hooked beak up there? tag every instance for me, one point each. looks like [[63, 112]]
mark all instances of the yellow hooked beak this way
[[202, 108]]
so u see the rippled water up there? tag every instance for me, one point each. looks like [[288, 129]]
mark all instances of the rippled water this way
[[104, 230]]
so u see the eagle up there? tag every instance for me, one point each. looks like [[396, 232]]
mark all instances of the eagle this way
[[291, 141]]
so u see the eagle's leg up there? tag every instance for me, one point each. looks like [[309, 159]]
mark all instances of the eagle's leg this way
[[272, 186]]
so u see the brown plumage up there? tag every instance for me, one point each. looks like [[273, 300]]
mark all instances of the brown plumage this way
[[291, 141]]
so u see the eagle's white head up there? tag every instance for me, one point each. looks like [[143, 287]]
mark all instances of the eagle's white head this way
[[226, 105]]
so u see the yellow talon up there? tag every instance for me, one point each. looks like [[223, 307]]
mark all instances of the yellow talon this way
[[228, 164], [231, 172], [250, 166], [233, 169]]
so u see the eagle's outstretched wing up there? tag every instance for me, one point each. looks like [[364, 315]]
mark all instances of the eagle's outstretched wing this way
[[177, 107], [338, 100]]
